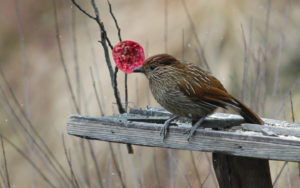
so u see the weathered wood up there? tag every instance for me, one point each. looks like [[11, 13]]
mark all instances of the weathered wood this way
[[132, 128], [241, 172], [272, 130]]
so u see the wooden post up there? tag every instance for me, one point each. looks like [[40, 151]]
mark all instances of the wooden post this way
[[240, 156], [241, 172]]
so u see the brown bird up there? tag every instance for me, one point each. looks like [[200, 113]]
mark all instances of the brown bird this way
[[184, 89]]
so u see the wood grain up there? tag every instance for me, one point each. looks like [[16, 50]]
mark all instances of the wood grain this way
[[141, 127]]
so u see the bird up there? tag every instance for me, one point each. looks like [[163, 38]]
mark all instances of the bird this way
[[186, 90]]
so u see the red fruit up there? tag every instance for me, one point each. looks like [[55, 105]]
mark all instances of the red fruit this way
[[128, 55]]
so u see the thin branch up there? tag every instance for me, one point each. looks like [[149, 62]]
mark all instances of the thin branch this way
[[195, 169], [177, 168], [95, 65], [28, 133], [205, 179], [114, 160], [82, 10], [116, 92], [101, 25], [293, 118], [96, 93], [245, 70], [95, 164], [62, 60], [31, 162], [2, 182], [75, 56], [104, 42], [115, 20], [84, 165], [68, 158], [126, 91], [24, 56], [156, 170], [279, 174], [292, 107], [201, 51], [166, 25], [46, 153], [120, 39], [183, 46], [5, 164]]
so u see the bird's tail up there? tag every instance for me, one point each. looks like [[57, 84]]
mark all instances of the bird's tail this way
[[248, 115]]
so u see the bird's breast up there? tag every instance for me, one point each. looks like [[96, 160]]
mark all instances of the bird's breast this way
[[168, 94]]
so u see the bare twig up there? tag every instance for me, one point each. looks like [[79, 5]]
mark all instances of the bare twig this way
[[183, 46], [5, 164], [2, 182], [120, 39], [245, 70], [211, 170], [292, 107], [177, 168], [24, 58], [114, 160], [195, 169], [205, 179], [171, 168], [46, 153], [115, 20], [126, 91], [156, 170], [96, 93], [280, 172], [82, 10], [200, 49], [96, 67], [62, 60], [116, 91], [94, 159], [84, 166], [75, 56], [34, 141], [293, 119], [104, 42], [31, 162], [166, 25], [68, 158]]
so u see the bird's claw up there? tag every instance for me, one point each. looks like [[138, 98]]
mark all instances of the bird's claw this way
[[191, 133], [163, 132]]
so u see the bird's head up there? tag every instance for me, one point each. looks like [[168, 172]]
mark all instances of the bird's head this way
[[158, 64]]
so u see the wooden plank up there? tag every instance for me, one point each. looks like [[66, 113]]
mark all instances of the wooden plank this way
[[272, 130], [239, 143]]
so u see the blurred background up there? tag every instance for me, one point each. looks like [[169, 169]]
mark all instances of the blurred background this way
[[251, 46]]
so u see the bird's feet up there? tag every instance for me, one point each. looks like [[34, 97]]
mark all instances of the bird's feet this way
[[192, 130], [164, 129]]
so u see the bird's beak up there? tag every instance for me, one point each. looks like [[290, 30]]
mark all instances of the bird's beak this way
[[139, 69]]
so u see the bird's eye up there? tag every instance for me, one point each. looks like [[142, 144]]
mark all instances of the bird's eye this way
[[152, 67]]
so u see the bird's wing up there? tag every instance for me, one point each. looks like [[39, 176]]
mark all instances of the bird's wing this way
[[207, 91], [203, 88]]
